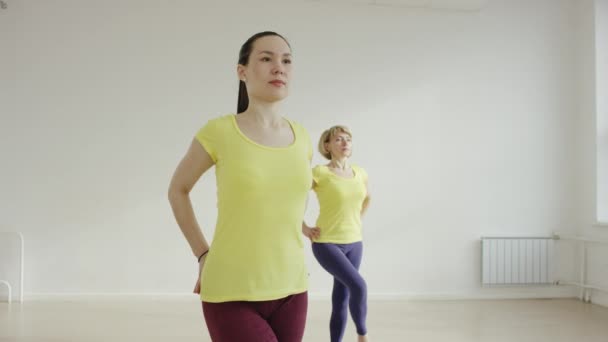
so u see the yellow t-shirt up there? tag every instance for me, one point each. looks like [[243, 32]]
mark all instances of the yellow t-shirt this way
[[257, 251], [340, 203]]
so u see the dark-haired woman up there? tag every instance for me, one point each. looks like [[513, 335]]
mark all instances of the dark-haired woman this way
[[253, 278]]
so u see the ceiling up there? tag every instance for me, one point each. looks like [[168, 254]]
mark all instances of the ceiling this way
[[458, 5]]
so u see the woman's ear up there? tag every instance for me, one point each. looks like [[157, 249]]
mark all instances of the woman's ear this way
[[326, 147], [240, 72]]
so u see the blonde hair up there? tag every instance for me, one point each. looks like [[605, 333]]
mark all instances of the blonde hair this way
[[326, 137]]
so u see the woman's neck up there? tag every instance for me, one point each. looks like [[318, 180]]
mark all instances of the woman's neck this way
[[339, 163], [265, 114]]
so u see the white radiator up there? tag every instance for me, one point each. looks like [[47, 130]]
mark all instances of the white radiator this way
[[517, 261]]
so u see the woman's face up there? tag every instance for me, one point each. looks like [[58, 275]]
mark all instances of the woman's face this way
[[339, 145], [268, 72]]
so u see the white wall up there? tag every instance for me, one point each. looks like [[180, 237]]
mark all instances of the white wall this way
[[601, 82], [593, 51], [9, 243], [464, 120]]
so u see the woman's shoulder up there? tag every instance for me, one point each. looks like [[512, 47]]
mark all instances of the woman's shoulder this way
[[298, 127], [218, 123], [319, 170], [319, 167], [359, 170]]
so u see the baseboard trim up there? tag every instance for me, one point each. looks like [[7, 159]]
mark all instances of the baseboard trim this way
[[481, 294]]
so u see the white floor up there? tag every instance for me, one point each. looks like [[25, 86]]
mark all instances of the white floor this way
[[180, 320]]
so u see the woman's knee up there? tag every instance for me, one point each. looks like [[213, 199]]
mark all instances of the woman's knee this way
[[358, 287]]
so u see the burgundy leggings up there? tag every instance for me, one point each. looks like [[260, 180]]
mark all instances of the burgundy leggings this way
[[279, 320]]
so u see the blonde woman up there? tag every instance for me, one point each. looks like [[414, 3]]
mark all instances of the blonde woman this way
[[343, 196]]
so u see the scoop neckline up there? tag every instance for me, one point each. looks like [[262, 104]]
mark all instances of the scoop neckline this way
[[249, 140], [349, 178]]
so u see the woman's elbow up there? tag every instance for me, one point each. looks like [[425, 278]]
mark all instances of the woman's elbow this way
[[176, 191]]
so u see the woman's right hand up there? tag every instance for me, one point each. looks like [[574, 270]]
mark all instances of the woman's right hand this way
[[197, 286], [312, 233]]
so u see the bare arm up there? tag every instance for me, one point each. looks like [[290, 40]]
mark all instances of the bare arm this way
[[312, 233], [189, 170]]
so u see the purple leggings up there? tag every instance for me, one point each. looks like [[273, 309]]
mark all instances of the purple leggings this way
[[280, 320], [342, 261]]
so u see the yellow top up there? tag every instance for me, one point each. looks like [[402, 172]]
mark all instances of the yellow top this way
[[340, 203], [257, 251]]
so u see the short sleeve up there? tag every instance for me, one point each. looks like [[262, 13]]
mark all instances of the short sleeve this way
[[302, 133], [363, 173], [309, 144], [316, 174], [208, 136]]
